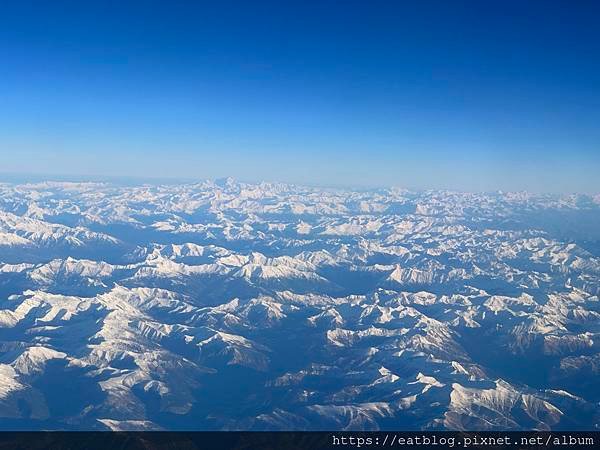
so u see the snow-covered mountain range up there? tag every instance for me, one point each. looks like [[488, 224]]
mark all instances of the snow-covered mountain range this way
[[235, 306]]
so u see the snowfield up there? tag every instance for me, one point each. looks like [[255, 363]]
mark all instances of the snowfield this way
[[234, 306]]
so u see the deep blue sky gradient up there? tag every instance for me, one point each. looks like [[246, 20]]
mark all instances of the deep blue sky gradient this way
[[478, 95]]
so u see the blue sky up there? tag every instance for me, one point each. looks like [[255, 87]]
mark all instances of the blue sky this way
[[462, 95]]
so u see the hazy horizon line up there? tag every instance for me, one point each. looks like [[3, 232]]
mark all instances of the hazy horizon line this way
[[34, 177]]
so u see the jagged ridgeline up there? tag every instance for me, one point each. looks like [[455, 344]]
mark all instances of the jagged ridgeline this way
[[232, 306]]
